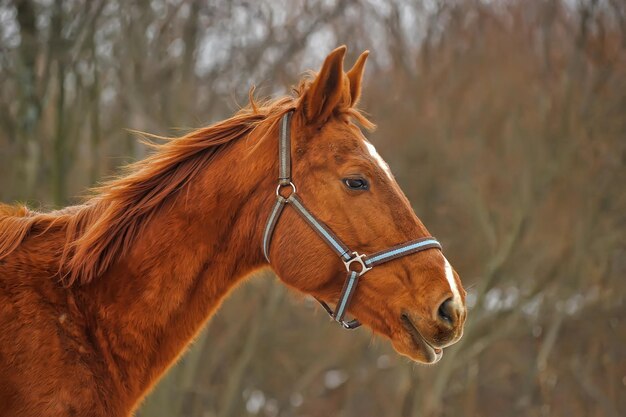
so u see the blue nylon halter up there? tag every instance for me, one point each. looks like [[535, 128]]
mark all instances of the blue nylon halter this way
[[356, 264]]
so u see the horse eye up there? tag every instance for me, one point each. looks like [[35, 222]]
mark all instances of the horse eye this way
[[356, 183]]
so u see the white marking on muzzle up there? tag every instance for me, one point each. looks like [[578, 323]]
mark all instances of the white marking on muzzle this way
[[456, 296], [379, 159]]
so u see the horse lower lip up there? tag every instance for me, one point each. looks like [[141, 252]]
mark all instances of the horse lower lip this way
[[418, 339]]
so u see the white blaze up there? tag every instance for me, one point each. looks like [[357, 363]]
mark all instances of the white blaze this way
[[381, 162], [456, 296]]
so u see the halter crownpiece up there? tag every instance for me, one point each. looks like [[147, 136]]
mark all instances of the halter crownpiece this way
[[356, 264]]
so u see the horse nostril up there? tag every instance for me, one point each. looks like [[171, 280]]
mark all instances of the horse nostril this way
[[449, 312]]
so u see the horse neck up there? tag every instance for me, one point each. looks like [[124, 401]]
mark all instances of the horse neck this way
[[152, 302]]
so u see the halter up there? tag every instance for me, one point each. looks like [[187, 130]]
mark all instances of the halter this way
[[356, 264]]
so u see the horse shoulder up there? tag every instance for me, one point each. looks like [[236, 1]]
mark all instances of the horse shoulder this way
[[46, 359]]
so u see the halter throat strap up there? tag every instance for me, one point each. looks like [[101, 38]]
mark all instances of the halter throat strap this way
[[356, 264]]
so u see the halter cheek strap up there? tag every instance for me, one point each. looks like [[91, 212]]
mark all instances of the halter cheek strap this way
[[356, 264]]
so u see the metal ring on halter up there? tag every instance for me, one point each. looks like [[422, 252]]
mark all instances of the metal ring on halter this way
[[293, 189], [358, 258]]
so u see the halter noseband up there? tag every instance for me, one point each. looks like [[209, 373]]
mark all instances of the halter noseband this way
[[356, 264]]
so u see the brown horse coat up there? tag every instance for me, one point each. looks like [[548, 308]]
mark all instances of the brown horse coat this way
[[98, 300]]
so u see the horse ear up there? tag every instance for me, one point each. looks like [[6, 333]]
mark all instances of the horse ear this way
[[355, 75], [326, 90]]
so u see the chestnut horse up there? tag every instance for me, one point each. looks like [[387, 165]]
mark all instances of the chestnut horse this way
[[98, 300]]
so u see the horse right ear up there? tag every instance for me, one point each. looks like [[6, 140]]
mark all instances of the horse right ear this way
[[327, 89]]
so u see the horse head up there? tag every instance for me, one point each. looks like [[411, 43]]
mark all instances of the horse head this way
[[343, 185]]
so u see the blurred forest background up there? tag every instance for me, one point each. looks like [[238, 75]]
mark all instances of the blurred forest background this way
[[504, 122]]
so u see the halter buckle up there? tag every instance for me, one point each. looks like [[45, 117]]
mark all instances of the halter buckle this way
[[358, 258]]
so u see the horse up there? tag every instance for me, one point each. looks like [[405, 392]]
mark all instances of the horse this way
[[98, 300]]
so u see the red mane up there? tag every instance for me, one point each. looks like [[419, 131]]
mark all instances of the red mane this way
[[108, 223]]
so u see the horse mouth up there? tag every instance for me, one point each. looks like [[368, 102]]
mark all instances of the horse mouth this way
[[432, 354]]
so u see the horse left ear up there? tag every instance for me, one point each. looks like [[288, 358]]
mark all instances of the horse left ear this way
[[355, 75], [327, 89]]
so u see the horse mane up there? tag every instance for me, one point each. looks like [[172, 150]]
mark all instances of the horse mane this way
[[108, 223]]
